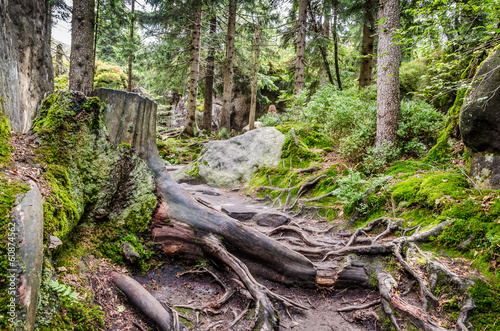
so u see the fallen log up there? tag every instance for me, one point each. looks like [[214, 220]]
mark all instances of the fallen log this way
[[146, 303]]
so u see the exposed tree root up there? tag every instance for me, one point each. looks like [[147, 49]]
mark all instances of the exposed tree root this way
[[264, 309], [296, 230], [362, 306], [209, 308]]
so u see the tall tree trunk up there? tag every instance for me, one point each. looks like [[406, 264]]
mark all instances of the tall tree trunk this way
[[81, 70], [321, 48], [300, 48], [96, 35], [336, 45], [206, 123], [131, 55], [367, 47], [229, 70], [253, 104], [326, 32], [389, 53], [194, 74]]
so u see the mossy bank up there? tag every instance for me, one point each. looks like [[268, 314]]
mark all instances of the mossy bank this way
[[98, 198]]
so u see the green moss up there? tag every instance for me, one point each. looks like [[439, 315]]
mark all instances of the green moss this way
[[487, 299], [87, 177], [443, 149], [109, 76], [309, 135], [194, 171], [5, 147], [176, 151], [60, 309], [409, 167], [431, 190]]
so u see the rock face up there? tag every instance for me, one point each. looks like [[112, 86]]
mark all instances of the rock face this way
[[480, 123], [227, 163], [26, 72], [28, 219], [136, 112]]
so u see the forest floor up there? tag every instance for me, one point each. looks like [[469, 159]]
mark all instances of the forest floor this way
[[181, 286]]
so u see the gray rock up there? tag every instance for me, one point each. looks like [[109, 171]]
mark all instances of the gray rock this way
[[137, 120], [241, 213], [129, 252], [480, 123], [28, 219], [485, 169], [271, 219], [54, 242], [26, 72], [228, 163]]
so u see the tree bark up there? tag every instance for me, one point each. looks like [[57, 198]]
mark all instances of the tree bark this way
[[336, 46], [326, 31], [300, 48], [225, 121], [206, 123], [131, 55], [81, 70], [253, 104], [388, 102], [194, 74], [96, 35], [367, 46]]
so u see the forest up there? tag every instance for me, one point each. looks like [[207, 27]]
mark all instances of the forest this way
[[250, 165]]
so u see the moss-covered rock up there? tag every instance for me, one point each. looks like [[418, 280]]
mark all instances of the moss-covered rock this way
[[108, 191], [85, 172]]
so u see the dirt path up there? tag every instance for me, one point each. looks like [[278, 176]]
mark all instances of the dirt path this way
[[173, 286]]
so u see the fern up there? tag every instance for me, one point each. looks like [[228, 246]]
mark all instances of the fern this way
[[65, 291]]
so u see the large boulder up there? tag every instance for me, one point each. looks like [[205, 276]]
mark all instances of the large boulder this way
[[27, 218], [228, 163], [480, 123], [26, 65]]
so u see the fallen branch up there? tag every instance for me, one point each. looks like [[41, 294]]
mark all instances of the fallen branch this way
[[143, 300]]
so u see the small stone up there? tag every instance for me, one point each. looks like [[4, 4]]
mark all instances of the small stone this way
[[271, 219], [101, 213], [129, 252], [62, 269], [54, 242], [241, 213]]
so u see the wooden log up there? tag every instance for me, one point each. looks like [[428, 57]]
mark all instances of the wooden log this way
[[143, 300]]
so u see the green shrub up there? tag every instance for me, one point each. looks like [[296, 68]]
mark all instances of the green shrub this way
[[349, 118], [411, 76], [270, 119]]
